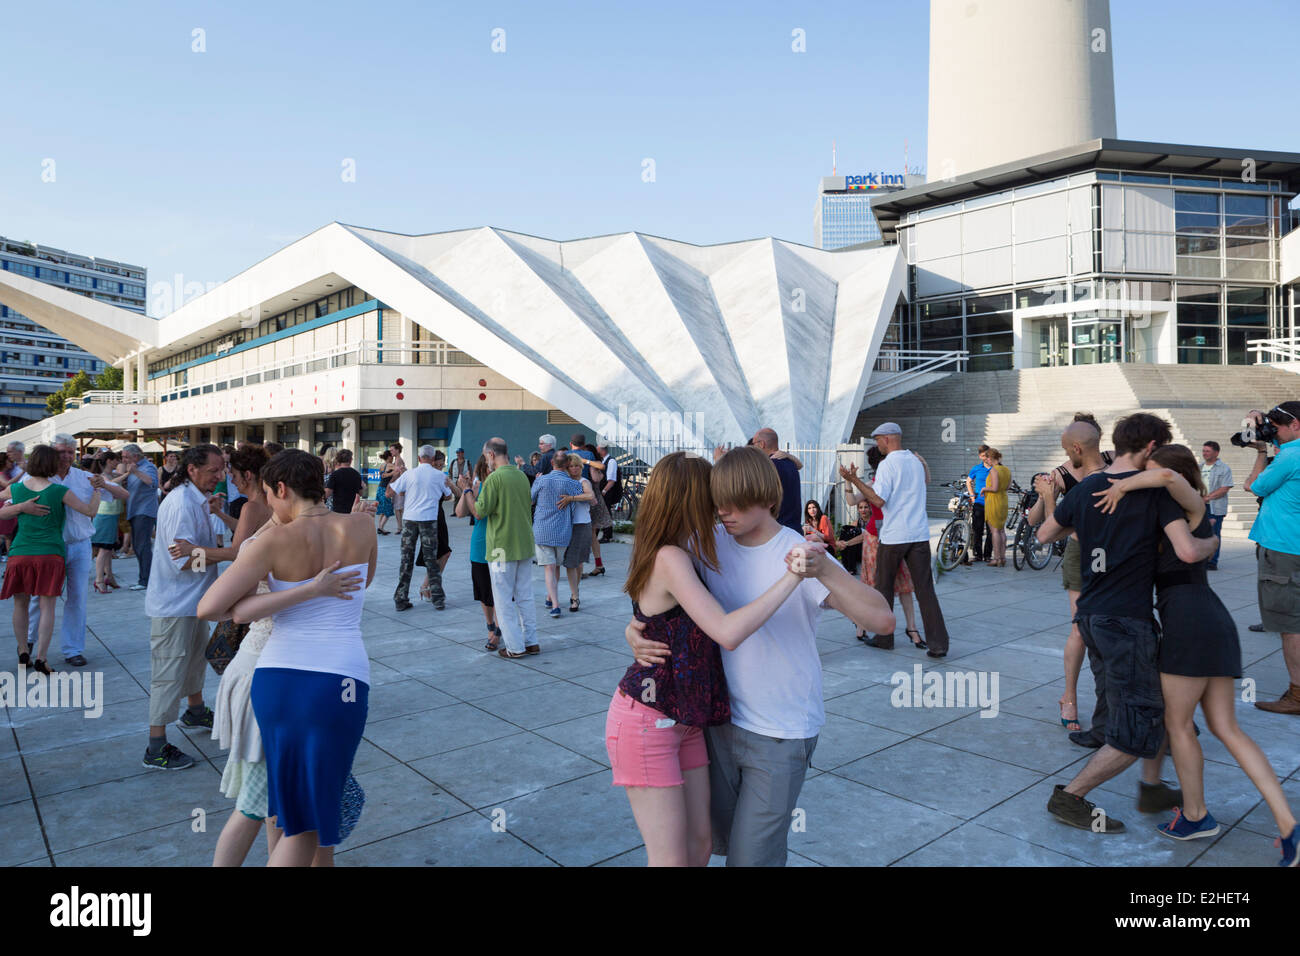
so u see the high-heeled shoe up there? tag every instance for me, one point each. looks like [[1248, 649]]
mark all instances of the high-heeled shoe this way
[[41, 667], [113, 585], [101, 588], [1067, 721], [919, 643], [24, 659]]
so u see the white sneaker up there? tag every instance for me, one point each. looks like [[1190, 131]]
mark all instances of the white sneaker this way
[[138, 587]]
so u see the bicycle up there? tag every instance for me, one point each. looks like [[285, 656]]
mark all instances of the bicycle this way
[[1026, 549], [954, 541]]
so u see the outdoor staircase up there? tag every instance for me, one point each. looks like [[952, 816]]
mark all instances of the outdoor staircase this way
[[1022, 414]]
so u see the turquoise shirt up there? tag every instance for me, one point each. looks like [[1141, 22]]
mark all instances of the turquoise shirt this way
[[1278, 525]]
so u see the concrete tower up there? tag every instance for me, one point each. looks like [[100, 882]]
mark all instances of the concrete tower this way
[[1011, 79]]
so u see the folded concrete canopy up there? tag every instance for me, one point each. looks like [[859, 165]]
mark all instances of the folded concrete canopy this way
[[731, 337]]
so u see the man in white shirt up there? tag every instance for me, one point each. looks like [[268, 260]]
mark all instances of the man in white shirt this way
[[177, 637], [424, 487], [899, 491], [758, 761]]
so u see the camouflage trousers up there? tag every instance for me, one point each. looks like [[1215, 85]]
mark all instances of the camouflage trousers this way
[[427, 532]]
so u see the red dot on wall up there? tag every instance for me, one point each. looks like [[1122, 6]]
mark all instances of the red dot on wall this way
[[400, 396], [482, 396], [400, 382], [482, 383]]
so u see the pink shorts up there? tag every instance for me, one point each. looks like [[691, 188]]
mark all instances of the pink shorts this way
[[645, 755]]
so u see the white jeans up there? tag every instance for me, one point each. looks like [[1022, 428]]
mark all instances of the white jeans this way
[[512, 592], [76, 588]]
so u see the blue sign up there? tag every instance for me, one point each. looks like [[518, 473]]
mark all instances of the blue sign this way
[[874, 180]]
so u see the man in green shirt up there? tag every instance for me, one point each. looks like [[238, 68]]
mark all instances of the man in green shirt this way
[[505, 504]]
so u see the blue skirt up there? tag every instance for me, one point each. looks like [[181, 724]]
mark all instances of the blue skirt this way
[[311, 725]]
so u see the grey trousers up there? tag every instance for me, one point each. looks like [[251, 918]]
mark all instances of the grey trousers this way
[[755, 783]]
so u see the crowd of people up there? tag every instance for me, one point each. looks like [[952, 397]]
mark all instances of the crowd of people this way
[[712, 729]]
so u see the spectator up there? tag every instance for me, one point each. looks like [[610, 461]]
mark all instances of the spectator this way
[[167, 474], [995, 506], [503, 503], [460, 465], [982, 544], [1217, 478], [344, 484], [611, 488], [177, 637], [899, 491], [1277, 483], [552, 523], [37, 568], [141, 480], [424, 487], [816, 525]]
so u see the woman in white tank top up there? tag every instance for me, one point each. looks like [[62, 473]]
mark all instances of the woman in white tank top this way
[[311, 684]]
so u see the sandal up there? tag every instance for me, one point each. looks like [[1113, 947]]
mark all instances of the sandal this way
[[1067, 721], [426, 594], [919, 644], [24, 659], [41, 667], [493, 643], [861, 635], [574, 604]]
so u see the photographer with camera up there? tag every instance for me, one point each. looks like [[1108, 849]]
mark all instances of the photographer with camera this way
[[1276, 482]]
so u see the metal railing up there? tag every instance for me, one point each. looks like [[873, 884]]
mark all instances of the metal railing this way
[[106, 397], [1277, 350], [366, 352], [901, 363]]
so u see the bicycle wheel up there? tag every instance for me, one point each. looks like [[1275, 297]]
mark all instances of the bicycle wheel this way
[[953, 544], [1037, 555], [1019, 553]]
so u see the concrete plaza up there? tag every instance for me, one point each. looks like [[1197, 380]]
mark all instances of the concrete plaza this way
[[472, 760]]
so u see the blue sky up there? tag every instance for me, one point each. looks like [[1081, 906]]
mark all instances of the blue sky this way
[[204, 163]]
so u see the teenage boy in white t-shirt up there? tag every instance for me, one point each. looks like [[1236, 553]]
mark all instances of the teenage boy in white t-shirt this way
[[757, 762]]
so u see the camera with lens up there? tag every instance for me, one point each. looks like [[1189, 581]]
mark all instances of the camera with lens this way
[[1265, 431]]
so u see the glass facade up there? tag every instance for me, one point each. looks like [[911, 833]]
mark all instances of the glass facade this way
[[844, 220], [1100, 266]]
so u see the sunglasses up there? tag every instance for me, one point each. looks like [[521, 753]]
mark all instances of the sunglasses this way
[[1278, 411]]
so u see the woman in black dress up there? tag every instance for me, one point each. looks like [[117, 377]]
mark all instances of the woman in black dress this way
[[1200, 658]]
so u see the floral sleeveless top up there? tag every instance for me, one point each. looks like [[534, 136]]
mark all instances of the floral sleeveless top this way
[[690, 687]]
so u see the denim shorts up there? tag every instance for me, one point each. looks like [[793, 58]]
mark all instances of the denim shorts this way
[[1124, 653]]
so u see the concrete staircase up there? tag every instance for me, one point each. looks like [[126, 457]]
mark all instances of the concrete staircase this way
[[1022, 413]]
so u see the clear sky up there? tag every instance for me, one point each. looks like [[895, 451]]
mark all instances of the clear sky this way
[[202, 163]]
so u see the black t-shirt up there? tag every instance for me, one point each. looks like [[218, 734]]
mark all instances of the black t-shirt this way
[[791, 509], [346, 483], [1119, 550]]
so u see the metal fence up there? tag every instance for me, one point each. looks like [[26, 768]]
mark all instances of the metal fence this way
[[819, 478]]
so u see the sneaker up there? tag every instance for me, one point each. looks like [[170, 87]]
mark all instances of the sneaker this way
[[1289, 856], [555, 612], [169, 758], [548, 604], [1084, 738], [1158, 797], [195, 723], [138, 587], [1078, 812], [1181, 828], [403, 605]]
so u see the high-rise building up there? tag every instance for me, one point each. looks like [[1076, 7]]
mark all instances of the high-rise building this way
[[34, 362], [843, 216]]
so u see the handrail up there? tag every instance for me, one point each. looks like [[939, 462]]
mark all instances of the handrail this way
[[106, 397], [907, 363], [1285, 349]]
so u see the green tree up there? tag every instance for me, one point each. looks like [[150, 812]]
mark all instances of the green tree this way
[[109, 380], [73, 387]]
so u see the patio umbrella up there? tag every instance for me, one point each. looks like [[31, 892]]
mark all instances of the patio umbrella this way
[[99, 443], [151, 448]]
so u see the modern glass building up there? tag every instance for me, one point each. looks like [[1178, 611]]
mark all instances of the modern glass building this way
[[34, 362], [843, 215], [1112, 251]]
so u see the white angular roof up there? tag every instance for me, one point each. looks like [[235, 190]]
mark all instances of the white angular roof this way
[[738, 336]]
